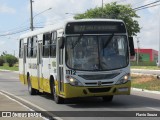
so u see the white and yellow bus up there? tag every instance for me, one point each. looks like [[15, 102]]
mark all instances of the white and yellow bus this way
[[84, 58]]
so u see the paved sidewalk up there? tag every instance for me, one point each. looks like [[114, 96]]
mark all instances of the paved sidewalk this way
[[9, 104]]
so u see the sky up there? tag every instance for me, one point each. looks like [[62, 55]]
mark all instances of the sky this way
[[15, 17]]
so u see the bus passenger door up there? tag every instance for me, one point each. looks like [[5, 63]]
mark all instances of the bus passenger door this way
[[60, 69], [39, 67], [24, 63], [46, 62]]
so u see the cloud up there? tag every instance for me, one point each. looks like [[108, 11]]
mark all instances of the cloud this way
[[2, 43], [149, 19], [6, 9], [152, 9], [60, 8], [9, 45], [150, 23]]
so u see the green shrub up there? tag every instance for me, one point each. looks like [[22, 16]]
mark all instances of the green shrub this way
[[10, 59], [1, 61]]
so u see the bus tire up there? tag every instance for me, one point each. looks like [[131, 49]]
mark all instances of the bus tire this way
[[57, 99], [108, 98], [52, 84], [31, 90]]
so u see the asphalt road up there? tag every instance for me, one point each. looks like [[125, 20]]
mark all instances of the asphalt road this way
[[137, 101]]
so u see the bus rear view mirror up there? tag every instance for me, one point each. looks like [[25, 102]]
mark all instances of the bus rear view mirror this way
[[61, 43], [131, 46]]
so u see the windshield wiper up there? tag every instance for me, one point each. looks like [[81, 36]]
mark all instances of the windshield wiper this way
[[109, 40], [75, 44], [106, 44]]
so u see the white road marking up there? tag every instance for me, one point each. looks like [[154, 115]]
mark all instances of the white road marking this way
[[57, 118], [15, 101], [19, 102]]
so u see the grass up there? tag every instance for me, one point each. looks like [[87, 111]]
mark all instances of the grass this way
[[145, 82], [6, 67], [145, 67]]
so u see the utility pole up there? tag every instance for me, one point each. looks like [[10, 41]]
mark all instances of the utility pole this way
[[31, 26], [102, 9], [14, 53], [158, 64], [137, 50]]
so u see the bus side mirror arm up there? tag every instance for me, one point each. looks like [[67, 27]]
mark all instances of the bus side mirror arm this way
[[131, 46], [61, 42]]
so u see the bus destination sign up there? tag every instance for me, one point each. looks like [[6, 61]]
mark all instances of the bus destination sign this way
[[88, 28], [95, 27]]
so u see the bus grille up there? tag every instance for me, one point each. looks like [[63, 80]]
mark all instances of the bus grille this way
[[99, 76], [95, 83], [98, 90]]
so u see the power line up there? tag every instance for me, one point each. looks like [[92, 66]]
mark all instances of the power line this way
[[147, 4], [12, 33], [137, 9], [138, 2], [20, 26], [148, 7]]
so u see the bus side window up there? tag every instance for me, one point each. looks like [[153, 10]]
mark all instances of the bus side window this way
[[29, 47], [46, 45], [34, 46], [21, 48], [53, 44]]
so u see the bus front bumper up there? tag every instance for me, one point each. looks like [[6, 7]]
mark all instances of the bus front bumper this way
[[85, 91]]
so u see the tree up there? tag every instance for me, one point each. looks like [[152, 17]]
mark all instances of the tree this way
[[4, 53], [10, 59], [115, 11], [1, 61]]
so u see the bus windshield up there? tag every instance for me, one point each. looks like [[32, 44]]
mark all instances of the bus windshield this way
[[95, 52]]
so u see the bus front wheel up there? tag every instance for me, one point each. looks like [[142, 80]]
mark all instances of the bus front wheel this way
[[57, 99], [31, 90], [108, 98]]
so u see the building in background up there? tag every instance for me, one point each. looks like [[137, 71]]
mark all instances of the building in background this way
[[147, 54]]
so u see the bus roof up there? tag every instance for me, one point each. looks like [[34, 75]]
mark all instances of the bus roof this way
[[40, 31], [91, 20], [58, 27], [94, 20]]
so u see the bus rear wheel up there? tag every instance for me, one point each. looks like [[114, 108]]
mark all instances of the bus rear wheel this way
[[57, 99], [31, 90], [108, 98]]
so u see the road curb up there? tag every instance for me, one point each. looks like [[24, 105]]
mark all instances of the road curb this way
[[31, 106], [147, 91], [155, 75], [146, 70]]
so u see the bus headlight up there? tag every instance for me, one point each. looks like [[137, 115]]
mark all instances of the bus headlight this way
[[124, 79], [73, 81]]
